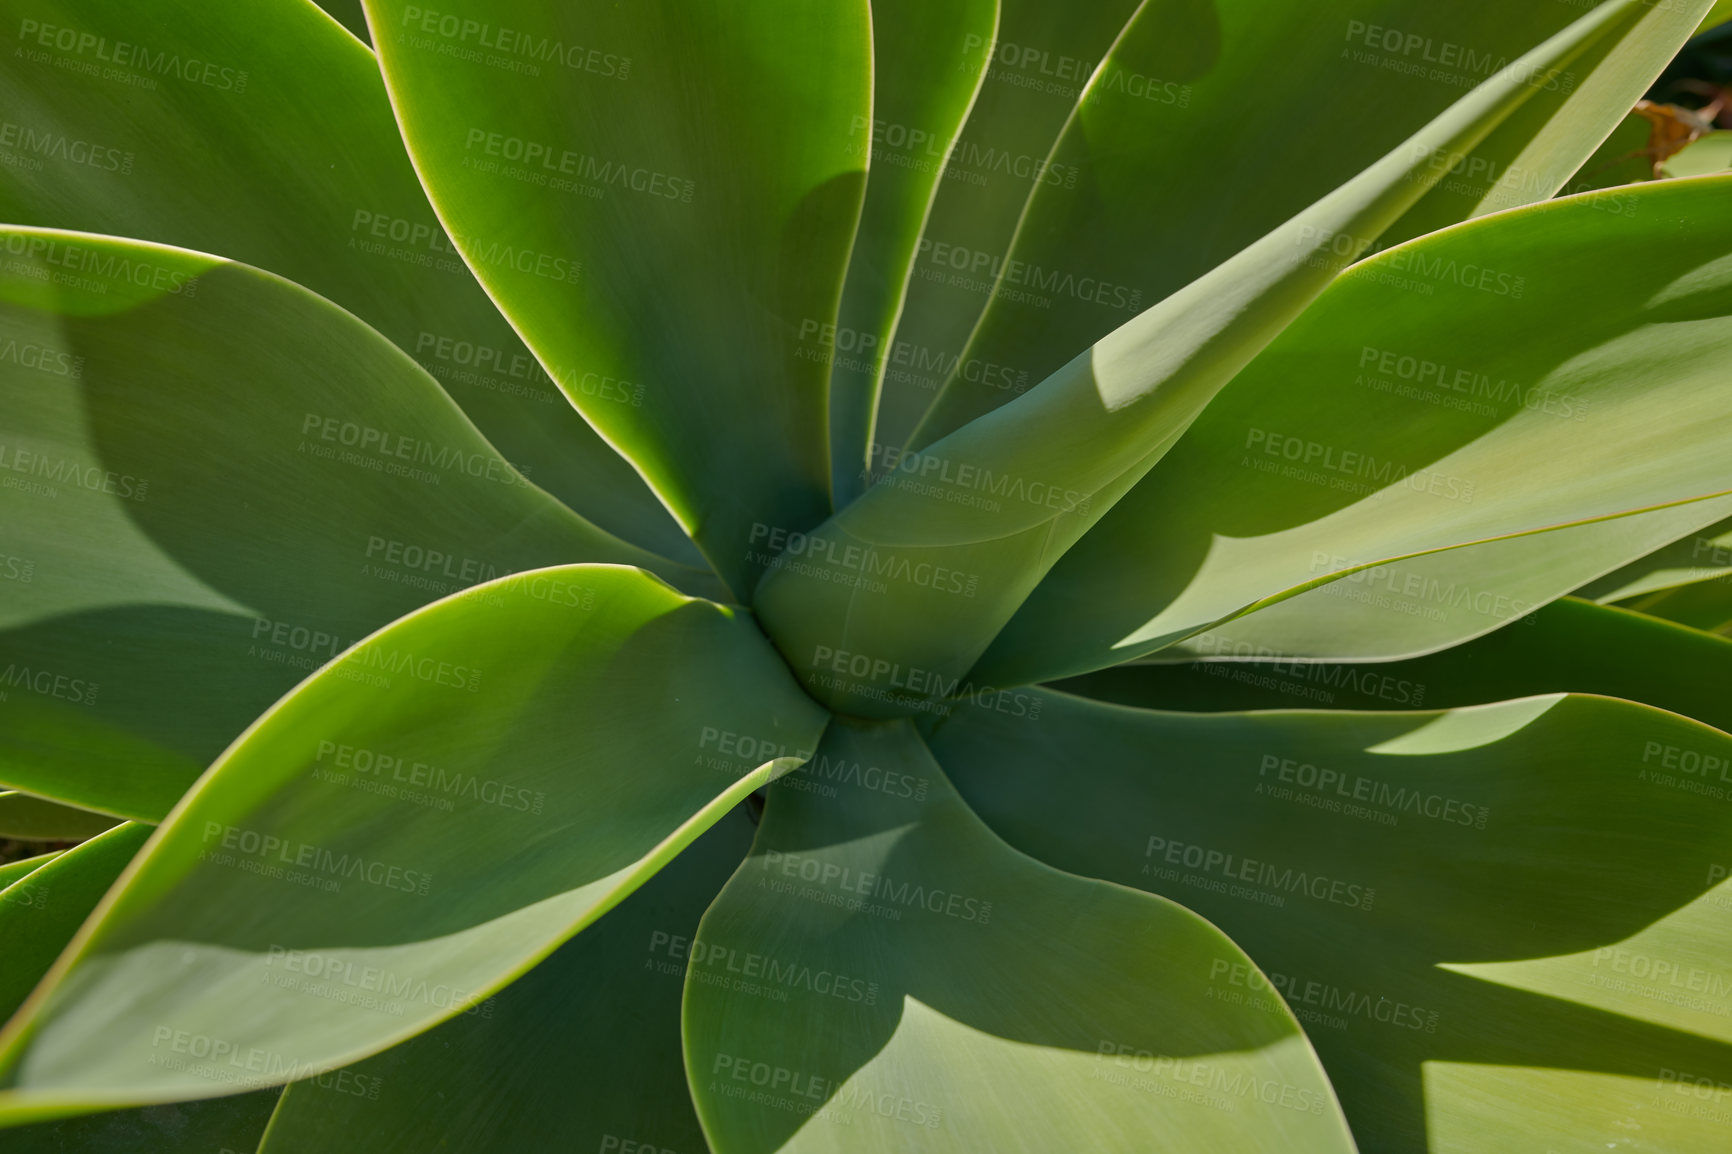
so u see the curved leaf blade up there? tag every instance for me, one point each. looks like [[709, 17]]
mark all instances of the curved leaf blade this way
[[1569, 646], [40, 913], [1605, 365], [927, 67], [1409, 882], [658, 207], [262, 132], [442, 807], [1140, 222], [216, 484], [1066, 451], [581, 1053], [953, 995]]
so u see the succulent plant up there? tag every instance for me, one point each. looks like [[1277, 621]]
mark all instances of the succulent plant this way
[[940, 575]]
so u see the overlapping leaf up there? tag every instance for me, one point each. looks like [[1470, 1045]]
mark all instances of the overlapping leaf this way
[[434, 813], [1005, 496], [1505, 926], [1369, 435], [1143, 221], [581, 1053], [660, 198], [908, 981], [1569, 646], [262, 132], [215, 483], [928, 59]]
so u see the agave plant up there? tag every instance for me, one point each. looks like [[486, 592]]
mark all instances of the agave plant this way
[[543, 555]]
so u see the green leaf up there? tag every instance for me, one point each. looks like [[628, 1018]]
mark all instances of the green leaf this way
[[913, 983], [1424, 604], [35, 819], [1709, 155], [1035, 71], [581, 1053], [1063, 453], [1702, 556], [928, 60], [11, 872], [39, 914], [215, 484], [262, 132], [211, 1126], [1719, 14], [1144, 221], [1569, 646], [1369, 435], [1705, 605], [1504, 927], [659, 198], [441, 808]]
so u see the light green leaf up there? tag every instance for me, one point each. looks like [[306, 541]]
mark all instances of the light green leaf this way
[[11, 872], [658, 197], [1145, 221], [1035, 72], [440, 808], [31, 818], [1569, 646], [1504, 926], [261, 132], [1709, 155], [1427, 603], [1370, 434], [581, 1053], [1702, 556], [39, 914], [215, 484], [928, 60], [913, 983], [1062, 454], [1719, 14]]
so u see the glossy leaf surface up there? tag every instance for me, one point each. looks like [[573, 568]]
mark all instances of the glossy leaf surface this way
[[1504, 926], [436, 811], [216, 482], [261, 132], [919, 985], [659, 197]]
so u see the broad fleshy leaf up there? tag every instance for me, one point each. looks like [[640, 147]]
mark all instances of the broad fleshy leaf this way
[[1036, 70], [658, 196], [1369, 435], [40, 913], [11, 872], [1426, 603], [1702, 556], [581, 1053], [913, 983], [438, 810], [30, 818], [1505, 927], [1569, 646], [261, 131], [215, 483], [1005, 496], [928, 60], [1166, 192]]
